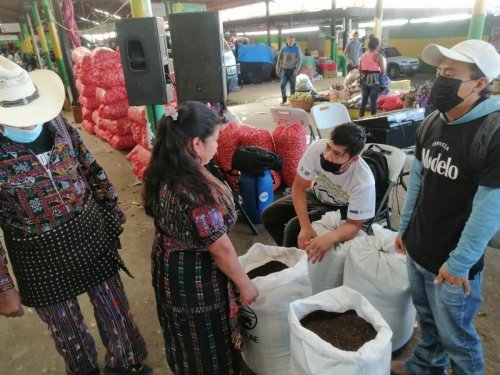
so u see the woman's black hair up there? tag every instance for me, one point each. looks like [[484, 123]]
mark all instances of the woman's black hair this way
[[351, 136], [174, 161], [373, 43]]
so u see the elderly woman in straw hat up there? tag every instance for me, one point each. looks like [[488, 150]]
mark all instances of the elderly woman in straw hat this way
[[61, 223]]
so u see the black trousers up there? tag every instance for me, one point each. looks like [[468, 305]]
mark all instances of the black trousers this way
[[281, 221]]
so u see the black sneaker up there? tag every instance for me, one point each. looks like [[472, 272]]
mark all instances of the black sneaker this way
[[283, 102], [137, 369]]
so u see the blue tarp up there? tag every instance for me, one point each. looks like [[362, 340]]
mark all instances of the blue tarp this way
[[255, 53]]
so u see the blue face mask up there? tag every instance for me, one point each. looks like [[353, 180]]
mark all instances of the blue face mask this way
[[21, 135]]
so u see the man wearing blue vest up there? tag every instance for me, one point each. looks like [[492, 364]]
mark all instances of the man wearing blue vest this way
[[452, 209], [288, 65]]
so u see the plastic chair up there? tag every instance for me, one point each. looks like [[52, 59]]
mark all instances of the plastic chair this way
[[395, 162], [291, 116], [329, 115]]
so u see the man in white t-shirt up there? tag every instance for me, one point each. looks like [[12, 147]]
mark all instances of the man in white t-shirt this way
[[341, 180]]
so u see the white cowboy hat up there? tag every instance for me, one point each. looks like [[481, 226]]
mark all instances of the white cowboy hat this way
[[27, 99]]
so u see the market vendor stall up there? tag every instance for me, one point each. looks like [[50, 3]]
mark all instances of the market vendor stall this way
[[256, 62]]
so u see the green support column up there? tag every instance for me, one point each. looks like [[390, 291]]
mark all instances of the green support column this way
[[333, 34], [33, 40], [477, 21], [26, 38], [55, 42], [41, 34], [141, 9]]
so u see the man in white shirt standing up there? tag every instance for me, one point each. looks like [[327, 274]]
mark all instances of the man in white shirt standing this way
[[341, 180]]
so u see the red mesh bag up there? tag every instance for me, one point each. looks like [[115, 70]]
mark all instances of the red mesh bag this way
[[88, 125], [111, 95], [115, 110], [119, 126], [122, 142], [392, 103], [77, 69], [110, 77], [88, 102], [139, 157], [290, 143], [87, 113], [137, 114], [86, 74], [104, 134], [228, 143], [105, 58], [78, 53], [140, 134]]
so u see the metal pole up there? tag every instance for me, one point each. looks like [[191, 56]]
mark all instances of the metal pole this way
[[377, 29], [33, 39], [333, 34], [27, 41], [41, 35], [141, 8], [477, 21], [55, 42], [65, 52], [279, 37], [268, 24]]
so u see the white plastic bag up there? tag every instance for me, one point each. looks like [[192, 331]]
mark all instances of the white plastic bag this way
[[329, 273], [267, 341], [303, 83], [312, 355], [378, 272]]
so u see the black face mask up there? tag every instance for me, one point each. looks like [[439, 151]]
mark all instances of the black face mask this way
[[329, 166], [444, 93]]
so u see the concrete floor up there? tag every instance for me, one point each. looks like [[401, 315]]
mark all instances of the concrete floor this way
[[26, 347]]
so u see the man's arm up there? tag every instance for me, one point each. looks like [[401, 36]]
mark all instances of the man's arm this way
[[482, 224], [278, 62], [299, 61], [347, 50], [317, 247], [299, 187]]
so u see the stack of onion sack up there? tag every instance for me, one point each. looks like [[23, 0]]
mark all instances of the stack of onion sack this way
[[82, 59], [290, 143], [232, 136], [112, 123], [141, 154]]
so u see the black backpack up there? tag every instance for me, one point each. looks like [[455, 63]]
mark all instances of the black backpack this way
[[374, 157], [256, 160]]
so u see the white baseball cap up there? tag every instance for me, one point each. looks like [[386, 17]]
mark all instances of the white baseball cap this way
[[28, 99], [473, 51]]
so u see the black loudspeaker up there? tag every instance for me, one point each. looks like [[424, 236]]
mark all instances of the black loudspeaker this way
[[197, 51], [400, 136], [143, 51]]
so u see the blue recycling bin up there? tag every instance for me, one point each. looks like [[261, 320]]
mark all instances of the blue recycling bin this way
[[256, 193]]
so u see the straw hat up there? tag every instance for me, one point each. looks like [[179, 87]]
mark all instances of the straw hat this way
[[28, 99]]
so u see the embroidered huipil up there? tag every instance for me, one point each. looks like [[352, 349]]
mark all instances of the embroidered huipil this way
[[35, 199]]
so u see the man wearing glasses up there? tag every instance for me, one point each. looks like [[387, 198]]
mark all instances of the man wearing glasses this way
[[341, 180]]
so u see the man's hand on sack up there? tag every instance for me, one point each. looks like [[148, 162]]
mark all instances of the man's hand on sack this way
[[316, 248], [10, 304], [444, 275]]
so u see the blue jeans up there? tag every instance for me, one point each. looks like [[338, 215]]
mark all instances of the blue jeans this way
[[372, 93], [446, 321], [287, 75]]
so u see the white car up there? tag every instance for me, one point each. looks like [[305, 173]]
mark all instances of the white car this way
[[397, 64]]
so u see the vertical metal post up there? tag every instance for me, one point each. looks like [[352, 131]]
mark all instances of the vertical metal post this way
[[55, 42], [477, 21], [379, 9], [33, 40], [41, 35], [333, 34], [26, 38], [65, 52], [268, 24]]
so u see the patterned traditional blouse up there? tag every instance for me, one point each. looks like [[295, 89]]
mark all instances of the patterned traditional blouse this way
[[35, 199]]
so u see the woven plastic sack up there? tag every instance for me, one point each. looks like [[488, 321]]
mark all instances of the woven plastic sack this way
[[290, 143], [266, 331]]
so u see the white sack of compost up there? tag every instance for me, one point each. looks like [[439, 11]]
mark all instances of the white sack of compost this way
[[378, 272], [303, 83], [266, 331], [314, 356], [329, 273]]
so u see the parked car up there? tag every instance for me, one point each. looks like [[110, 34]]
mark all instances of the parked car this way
[[398, 64]]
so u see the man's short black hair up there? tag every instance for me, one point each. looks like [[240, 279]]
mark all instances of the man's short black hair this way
[[351, 136]]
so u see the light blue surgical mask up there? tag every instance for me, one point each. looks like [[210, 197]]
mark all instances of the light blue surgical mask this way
[[21, 135]]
